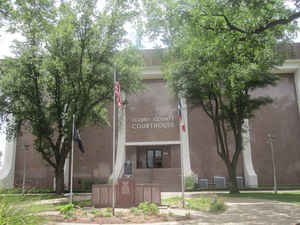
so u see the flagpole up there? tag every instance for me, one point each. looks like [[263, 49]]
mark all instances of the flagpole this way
[[72, 154], [182, 172], [114, 143]]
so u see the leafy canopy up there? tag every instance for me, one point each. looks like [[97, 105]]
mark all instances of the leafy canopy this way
[[63, 67], [219, 52]]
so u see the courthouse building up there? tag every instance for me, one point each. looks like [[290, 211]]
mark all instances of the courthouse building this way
[[149, 136]]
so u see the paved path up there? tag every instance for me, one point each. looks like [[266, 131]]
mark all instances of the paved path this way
[[243, 211], [246, 211]]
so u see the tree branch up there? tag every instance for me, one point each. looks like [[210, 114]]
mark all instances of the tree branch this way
[[230, 25], [276, 22]]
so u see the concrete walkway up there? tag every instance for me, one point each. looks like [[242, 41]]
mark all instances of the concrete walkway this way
[[242, 211]]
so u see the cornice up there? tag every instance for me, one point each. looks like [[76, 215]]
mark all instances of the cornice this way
[[290, 66]]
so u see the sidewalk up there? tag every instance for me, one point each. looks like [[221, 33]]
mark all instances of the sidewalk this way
[[241, 211]]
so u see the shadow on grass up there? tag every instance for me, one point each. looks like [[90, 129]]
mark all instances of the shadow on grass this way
[[290, 197]]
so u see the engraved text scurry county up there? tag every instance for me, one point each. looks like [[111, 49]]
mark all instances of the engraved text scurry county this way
[[153, 122]]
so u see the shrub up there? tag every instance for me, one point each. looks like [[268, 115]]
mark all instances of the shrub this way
[[148, 208], [67, 210], [109, 210], [189, 183], [153, 208], [100, 214], [133, 210], [93, 211], [11, 215], [171, 214], [217, 206], [143, 205], [107, 214]]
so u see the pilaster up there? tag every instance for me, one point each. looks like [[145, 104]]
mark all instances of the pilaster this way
[[184, 137], [249, 172], [297, 87], [121, 141], [7, 171]]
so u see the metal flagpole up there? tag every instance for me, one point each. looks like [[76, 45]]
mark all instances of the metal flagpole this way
[[24, 170], [114, 143], [182, 172], [270, 139], [72, 157]]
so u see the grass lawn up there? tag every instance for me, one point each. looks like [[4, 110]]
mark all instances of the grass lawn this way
[[24, 199], [291, 197], [269, 188], [203, 203]]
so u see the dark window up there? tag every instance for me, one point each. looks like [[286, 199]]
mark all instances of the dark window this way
[[151, 158], [154, 158]]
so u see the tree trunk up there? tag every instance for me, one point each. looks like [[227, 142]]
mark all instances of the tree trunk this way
[[59, 176], [233, 186]]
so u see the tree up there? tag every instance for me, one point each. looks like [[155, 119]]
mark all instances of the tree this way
[[220, 51], [65, 67], [5, 9]]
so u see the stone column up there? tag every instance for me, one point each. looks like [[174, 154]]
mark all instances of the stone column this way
[[7, 171], [184, 137], [297, 87], [121, 141], [249, 172]]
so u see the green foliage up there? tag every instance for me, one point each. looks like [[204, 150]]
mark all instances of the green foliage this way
[[133, 210], [39, 190], [148, 208], [64, 67], [201, 203], [93, 211], [217, 206], [67, 210], [107, 214], [11, 215], [109, 210], [85, 184], [99, 213], [170, 214], [189, 183], [224, 51], [5, 11], [110, 181]]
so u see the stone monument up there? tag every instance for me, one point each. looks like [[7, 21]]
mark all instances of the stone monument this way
[[126, 192]]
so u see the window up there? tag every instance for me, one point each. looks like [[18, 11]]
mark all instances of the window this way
[[157, 157], [154, 158]]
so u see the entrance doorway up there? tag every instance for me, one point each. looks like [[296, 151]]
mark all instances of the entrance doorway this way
[[153, 157], [159, 164]]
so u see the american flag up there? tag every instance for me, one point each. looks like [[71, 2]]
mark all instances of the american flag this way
[[118, 93], [181, 121], [77, 138]]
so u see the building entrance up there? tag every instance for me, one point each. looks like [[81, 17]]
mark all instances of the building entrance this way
[[156, 165], [153, 157]]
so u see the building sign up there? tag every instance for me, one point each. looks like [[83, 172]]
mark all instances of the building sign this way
[[156, 122]]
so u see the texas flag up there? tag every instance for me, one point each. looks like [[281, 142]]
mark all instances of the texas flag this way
[[181, 120], [118, 93]]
